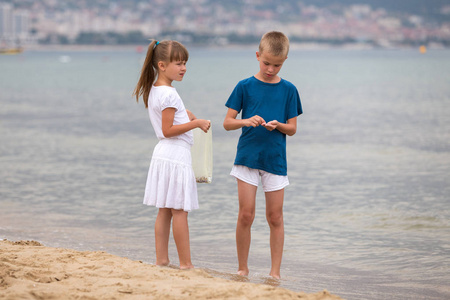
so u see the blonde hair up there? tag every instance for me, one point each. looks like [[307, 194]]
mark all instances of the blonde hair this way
[[165, 51], [275, 42]]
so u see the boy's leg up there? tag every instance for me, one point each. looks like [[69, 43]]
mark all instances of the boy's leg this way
[[162, 233], [274, 216], [247, 196], [181, 236]]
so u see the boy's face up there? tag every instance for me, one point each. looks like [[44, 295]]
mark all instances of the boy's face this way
[[269, 65]]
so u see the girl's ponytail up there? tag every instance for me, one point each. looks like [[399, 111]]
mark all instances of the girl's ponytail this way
[[165, 51], [148, 74]]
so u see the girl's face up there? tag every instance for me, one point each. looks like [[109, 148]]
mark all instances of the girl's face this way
[[174, 70]]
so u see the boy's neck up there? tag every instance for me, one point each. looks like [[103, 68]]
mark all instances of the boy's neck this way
[[275, 79]]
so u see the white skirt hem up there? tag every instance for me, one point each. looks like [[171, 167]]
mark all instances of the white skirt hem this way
[[171, 180]]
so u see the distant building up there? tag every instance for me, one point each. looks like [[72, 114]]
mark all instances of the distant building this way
[[21, 25], [14, 25], [6, 21]]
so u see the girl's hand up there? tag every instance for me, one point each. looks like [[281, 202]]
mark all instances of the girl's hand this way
[[271, 125], [203, 124], [254, 121]]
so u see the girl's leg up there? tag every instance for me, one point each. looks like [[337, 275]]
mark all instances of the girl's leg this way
[[181, 237], [247, 196], [162, 233], [274, 216]]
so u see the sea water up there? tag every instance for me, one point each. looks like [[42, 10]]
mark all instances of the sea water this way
[[367, 212]]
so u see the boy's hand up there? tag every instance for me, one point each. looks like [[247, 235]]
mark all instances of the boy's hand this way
[[254, 121], [271, 125]]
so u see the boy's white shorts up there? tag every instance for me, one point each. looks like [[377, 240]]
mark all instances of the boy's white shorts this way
[[270, 182]]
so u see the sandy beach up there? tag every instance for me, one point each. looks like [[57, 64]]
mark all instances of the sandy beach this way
[[29, 270]]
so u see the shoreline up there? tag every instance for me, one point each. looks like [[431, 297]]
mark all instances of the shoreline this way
[[142, 48], [29, 270]]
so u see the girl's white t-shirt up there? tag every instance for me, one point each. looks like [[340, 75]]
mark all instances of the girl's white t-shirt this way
[[160, 98]]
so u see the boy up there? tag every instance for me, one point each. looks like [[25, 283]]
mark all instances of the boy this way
[[270, 106]]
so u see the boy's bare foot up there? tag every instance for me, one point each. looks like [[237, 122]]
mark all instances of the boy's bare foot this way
[[243, 272], [272, 281], [275, 275]]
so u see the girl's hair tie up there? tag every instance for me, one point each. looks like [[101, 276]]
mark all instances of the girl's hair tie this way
[[157, 43]]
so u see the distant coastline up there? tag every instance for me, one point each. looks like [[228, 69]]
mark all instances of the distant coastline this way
[[340, 24], [141, 48]]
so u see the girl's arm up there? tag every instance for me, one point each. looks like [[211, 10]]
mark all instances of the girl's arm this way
[[191, 116], [170, 130], [290, 128], [231, 123]]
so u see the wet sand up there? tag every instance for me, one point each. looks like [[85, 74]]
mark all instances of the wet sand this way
[[29, 270]]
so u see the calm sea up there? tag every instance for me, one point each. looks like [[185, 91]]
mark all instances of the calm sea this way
[[367, 212]]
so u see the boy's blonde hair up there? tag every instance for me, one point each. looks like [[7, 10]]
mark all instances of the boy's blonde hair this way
[[275, 42]]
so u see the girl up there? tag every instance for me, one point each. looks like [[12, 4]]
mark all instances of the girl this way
[[171, 184]]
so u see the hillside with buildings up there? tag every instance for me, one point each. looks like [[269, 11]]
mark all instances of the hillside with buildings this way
[[376, 23]]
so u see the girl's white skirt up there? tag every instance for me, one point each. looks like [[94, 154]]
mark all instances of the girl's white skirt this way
[[171, 180]]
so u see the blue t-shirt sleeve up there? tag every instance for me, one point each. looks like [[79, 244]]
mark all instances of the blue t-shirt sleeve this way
[[236, 98], [294, 103]]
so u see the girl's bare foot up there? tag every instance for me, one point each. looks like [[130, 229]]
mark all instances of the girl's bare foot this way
[[162, 263], [186, 267]]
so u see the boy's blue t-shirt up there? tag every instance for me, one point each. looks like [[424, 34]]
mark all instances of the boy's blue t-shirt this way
[[259, 148]]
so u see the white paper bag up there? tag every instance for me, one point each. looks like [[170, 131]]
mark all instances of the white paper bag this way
[[202, 156]]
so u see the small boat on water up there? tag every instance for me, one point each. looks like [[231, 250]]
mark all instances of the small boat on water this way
[[16, 50]]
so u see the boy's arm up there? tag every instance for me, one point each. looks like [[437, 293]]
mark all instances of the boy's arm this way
[[231, 123], [290, 128]]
